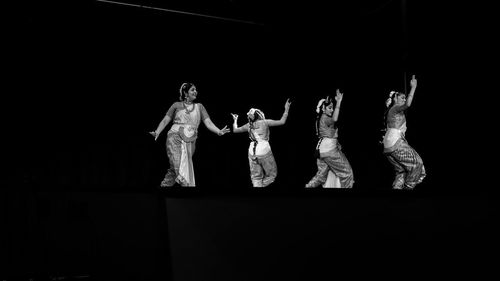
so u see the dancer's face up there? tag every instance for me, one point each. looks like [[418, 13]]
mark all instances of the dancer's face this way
[[329, 109], [191, 94], [251, 116], [400, 99]]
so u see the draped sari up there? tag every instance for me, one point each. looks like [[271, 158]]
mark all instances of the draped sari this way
[[181, 143], [407, 163]]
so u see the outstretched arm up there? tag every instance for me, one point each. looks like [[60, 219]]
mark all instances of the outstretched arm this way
[[282, 121], [164, 122], [237, 129], [338, 98], [210, 125], [413, 83]]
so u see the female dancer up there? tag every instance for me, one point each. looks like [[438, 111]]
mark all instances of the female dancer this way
[[330, 156], [263, 169], [181, 137], [407, 163]]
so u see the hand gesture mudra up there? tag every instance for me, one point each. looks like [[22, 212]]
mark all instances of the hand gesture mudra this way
[[154, 134], [224, 131], [413, 81], [338, 95], [235, 116], [287, 104]]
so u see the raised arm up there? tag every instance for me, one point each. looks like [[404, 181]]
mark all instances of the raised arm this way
[[164, 122], [413, 83], [282, 121], [338, 98], [210, 125], [237, 129]]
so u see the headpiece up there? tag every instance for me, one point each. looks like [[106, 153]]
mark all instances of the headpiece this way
[[389, 99], [258, 111], [321, 102], [182, 88]]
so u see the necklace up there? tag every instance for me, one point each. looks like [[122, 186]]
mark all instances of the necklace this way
[[188, 110]]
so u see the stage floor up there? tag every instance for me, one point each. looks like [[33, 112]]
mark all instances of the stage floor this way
[[205, 234]]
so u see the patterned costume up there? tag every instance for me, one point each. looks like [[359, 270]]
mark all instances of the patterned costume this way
[[181, 141], [330, 157], [408, 165], [263, 168]]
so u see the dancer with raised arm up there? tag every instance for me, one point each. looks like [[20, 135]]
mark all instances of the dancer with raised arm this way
[[331, 160], [263, 168], [408, 165], [181, 138]]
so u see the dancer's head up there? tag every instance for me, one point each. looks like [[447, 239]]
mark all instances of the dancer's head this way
[[325, 106], [395, 98], [255, 114], [188, 92]]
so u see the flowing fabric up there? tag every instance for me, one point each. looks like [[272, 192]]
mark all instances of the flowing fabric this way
[[181, 141], [180, 159], [332, 161], [332, 181], [334, 170], [408, 165], [392, 135], [263, 168], [325, 146], [186, 170]]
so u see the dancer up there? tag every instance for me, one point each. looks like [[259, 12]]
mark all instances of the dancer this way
[[331, 161], [407, 163], [181, 137], [263, 168]]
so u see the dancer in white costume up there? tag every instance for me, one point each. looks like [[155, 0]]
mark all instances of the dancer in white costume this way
[[263, 168]]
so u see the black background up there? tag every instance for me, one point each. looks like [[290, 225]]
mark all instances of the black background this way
[[90, 79], [87, 80]]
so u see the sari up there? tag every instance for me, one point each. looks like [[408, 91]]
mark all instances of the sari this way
[[407, 163], [334, 170], [181, 143]]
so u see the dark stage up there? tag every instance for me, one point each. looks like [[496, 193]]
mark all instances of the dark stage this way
[[88, 80], [251, 236]]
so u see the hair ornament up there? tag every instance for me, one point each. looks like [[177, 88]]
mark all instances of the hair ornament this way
[[320, 104], [180, 90]]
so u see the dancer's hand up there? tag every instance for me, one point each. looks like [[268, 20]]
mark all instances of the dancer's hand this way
[[224, 130], [235, 116], [154, 134], [339, 96], [287, 105], [413, 81]]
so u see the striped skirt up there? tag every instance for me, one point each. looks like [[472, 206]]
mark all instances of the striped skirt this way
[[180, 155], [408, 165], [263, 169], [336, 162]]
